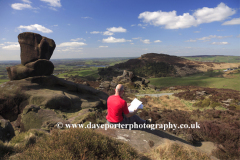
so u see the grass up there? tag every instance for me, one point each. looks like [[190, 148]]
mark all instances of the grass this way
[[175, 151], [201, 80], [3, 80], [83, 73], [78, 144], [226, 59]]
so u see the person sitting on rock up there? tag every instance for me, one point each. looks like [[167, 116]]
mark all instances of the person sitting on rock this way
[[118, 110]]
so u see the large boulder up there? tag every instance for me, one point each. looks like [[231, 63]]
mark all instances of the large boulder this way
[[40, 67], [50, 93], [34, 47], [6, 130]]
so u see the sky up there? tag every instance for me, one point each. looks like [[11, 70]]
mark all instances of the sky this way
[[123, 28]]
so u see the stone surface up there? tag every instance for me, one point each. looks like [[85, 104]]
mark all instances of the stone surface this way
[[39, 67], [35, 117], [6, 130], [34, 47], [49, 92]]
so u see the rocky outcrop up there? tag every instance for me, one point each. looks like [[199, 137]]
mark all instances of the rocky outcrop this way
[[128, 79], [34, 47], [45, 97], [36, 52]]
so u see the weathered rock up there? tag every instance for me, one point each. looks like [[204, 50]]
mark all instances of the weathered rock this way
[[105, 84], [35, 117], [6, 130], [201, 93], [125, 72], [147, 81], [39, 67], [85, 83], [130, 74], [113, 84], [228, 101], [49, 92], [152, 86], [34, 47]]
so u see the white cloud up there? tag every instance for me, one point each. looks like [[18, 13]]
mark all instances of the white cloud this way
[[188, 47], [238, 36], [11, 46], [70, 49], [133, 25], [71, 44], [146, 41], [95, 32], [35, 27], [103, 46], [55, 25], [172, 21], [220, 43], [86, 17], [131, 43], [27, 1], [157, 41], [191, 40], [234, 21], [114, 29], [77, 39], [145, 49], [53, 3], [213, 36], [1, 44], [196, 31], [208, 15], [108, 33], [114, 40], [111, 31], [3, 39], [137, 38], [21, 6]]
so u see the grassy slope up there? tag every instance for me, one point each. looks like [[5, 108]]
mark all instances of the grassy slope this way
[[226, 59], [199, 80], [3, 80]]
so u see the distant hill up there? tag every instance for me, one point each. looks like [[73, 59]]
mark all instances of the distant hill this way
[[162, 65], [214, 58]]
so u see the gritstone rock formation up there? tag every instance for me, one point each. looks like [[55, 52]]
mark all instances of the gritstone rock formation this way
[[36, 52], [37, 99]]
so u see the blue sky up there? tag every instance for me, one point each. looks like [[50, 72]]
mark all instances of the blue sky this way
[[123, 28]]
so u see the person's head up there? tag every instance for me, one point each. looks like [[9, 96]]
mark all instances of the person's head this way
[[119, 90]]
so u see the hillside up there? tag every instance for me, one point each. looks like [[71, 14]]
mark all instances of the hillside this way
[[162, 65], [214, 58]]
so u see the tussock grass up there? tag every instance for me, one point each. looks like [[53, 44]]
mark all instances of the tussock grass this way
[[78, 144], [174, 151]]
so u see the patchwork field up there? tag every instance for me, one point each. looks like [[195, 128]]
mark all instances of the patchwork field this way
[[209, 79]]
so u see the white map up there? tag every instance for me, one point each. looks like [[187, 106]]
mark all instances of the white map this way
[[135, 104]]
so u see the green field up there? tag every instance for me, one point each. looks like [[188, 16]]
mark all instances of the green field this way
[[226, 59], [81, 72], [201, 80]]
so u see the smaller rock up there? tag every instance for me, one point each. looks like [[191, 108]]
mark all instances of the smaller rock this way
[[147, 81], [201, 93], [152, 86], [85, 83], [124, 73], [6, 130], [228, 101]]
